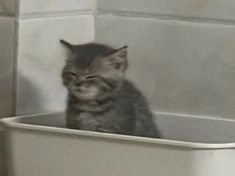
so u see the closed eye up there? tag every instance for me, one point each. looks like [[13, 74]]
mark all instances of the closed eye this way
[[71, 74], [91, 77]]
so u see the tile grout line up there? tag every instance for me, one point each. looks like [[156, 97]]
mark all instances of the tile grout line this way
[[159, 16], [15, 57], [55, 14], [95, 15], [48, 15], [15, 66]]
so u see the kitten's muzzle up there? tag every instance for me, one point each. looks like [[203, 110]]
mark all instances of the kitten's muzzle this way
[[78, 84], [81, 86]]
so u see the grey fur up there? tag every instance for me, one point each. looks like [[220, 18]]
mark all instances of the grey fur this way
[[100, 98]]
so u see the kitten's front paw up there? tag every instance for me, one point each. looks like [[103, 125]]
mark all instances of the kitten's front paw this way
[[72, 125], [104, 130], [90, 124]]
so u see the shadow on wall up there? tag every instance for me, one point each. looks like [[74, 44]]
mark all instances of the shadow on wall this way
[[2, 155], [33, 102], [27, 88], [22, 107]]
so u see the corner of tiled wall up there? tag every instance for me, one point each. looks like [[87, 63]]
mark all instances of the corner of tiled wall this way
[[181, 52], [31, 57]]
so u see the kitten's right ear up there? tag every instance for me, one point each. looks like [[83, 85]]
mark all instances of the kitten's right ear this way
[[69, 47]]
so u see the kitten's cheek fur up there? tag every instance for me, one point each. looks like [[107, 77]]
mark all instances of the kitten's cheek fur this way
[[65, 82]]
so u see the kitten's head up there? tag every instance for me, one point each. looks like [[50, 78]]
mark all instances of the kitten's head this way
[[93, 71]]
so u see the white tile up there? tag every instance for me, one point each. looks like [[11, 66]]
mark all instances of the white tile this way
[[41, 58], [221, 9], [41, 6], [2, 10], [48, 6], [6, 65], [182, 67], [8, 7]]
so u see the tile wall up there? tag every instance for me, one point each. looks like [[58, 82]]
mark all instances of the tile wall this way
[[182, 52]]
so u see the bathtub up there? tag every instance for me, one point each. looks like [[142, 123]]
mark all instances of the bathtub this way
[[39, 145]]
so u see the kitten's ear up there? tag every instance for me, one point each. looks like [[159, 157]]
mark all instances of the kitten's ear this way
[[120, 53], [118, 58], [69, 47]]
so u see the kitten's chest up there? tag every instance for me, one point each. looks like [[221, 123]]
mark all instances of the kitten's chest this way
[[105, 122], [84, 116], [98, 122]]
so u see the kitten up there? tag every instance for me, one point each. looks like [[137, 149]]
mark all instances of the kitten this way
[[100, 98]]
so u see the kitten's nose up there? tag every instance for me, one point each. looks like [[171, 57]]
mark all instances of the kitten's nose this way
[[78, 81], [78, 84], [81, 86]]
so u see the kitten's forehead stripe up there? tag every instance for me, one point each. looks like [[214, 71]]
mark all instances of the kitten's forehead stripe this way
[[86, 54], [94, 49]]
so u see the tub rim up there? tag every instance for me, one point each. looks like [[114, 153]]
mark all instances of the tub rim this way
[[11, 123]]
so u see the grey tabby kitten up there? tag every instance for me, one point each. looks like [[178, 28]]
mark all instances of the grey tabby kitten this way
[[100, 98]]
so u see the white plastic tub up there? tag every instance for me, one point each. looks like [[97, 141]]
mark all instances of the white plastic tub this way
[[38, 145]]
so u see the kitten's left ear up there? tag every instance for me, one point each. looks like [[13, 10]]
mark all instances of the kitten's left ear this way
[[118, 58], [120, 52]]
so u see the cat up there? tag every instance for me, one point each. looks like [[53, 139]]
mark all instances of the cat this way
[[100, 97]]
